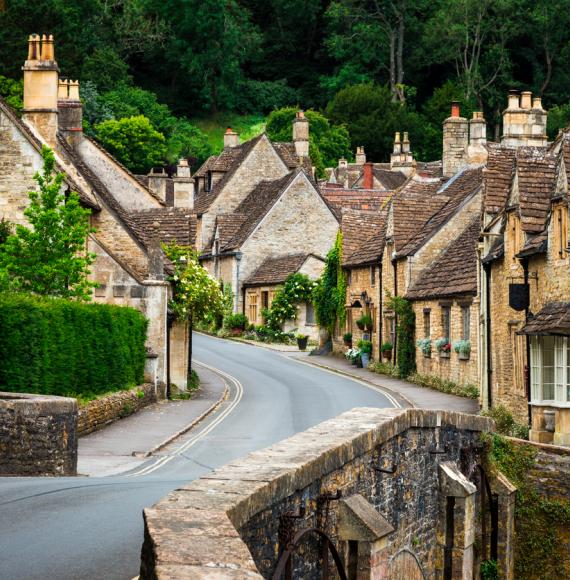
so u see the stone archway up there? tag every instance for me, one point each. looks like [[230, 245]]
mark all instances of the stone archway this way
[[405, 566]]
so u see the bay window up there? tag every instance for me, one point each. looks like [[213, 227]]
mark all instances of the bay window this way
[[550, 370]]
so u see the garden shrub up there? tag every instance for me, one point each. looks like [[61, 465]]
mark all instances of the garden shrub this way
[[505, 423], [58, 347], [237, 321], [437, 383]]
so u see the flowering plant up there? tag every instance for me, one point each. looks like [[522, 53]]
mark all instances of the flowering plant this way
[[462, 347], [443, 345], [424, 344], [352, 353]]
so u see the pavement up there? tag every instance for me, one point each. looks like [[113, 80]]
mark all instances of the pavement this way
[[126, 444], [409, 394]]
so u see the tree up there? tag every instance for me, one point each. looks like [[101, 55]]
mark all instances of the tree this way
[[133, 141], [13, 92], [327, 142], [196, 296], [50, 258]]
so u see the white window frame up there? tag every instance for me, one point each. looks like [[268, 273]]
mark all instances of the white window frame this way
[[561, 363]]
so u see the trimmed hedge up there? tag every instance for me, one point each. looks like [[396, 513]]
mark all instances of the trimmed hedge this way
[[59, 347]]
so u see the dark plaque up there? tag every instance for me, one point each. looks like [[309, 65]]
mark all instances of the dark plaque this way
[[519, 296]]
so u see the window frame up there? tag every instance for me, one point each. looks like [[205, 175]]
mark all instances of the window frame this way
[[560, 369], [427, 327], [446, 321], [466, 322]]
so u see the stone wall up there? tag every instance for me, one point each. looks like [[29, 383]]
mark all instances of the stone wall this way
[[38, 435], [100, 412], [387, 472]]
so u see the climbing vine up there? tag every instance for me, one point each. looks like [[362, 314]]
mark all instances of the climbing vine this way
[[296, 289], [405, 331], [539, 546], [329, 295]]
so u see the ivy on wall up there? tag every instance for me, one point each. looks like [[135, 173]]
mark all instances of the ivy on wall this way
[[329, 295], [297, 288], [405, 332], [539, 545]]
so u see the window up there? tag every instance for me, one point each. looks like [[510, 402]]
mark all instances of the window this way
[[349, 277], [264, 299], [208, 184], [252, 308], [310, 318], [446, 322], [372, 275], [427, 323], [465, 322], [550, 369]]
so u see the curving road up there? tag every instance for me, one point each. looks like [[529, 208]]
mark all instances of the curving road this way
[[91, 528]]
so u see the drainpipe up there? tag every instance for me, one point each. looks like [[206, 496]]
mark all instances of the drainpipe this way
[[395, 346], [169, 323], [380, 317], [487, 269], [524, 263], [236, 280]]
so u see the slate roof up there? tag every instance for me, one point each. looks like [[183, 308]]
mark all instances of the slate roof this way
[[458, 189], [175, 224], [412, 206], [356, 199], [497, 176], [275, 270], [554, 318], [536, 173], [537, 244], [389, 179], [455, 270], [364, 237]]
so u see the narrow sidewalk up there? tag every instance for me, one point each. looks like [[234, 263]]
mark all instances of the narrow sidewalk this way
[[124, 445], [420, 397]]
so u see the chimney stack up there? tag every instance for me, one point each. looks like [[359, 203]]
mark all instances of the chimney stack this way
[[41, 88], [477, 152], [368, 180], [342, 172], [524, 121], [455, 141], [70, 111], [401, 158], [360, 158], [301, 134], [231, 138], [183, 186]]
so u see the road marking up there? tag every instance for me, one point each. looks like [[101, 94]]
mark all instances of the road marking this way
[[162, 461], [376, 388]]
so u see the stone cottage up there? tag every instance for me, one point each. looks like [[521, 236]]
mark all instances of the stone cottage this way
[[525, 274], [259, 208], [131, 220]]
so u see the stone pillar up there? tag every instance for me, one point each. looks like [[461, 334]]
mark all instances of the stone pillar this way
[[455, 142], [506, 496], [41, 75], [301, 134], [231, 138]]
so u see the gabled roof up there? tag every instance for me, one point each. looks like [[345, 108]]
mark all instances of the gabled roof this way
[[363, 237], [388, 178], [460, 188], [355, 199], [276, 270], [455, 270], [553, 319], [496, 251], [497, 177], [175, 224]]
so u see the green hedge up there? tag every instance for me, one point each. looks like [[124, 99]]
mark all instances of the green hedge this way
[[59, 347]]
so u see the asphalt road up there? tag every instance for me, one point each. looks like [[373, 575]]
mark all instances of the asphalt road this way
[[91, 528]]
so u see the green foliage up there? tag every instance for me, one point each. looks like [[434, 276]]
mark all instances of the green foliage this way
[[214, 127], [405, 330], [505, 423], [133, 141], [387, 346], [266, 334], [105, 68], [13, 92], [329, 294], [365, 322], [539, 544], [347, 337], [94, 110], [365, 346], [384, 368], [195, 294], [59, 347], [462, 347], [327, 142], [49, 257], [236, 321], [438, 384], [558, 118], [265, 96], [489, 570], [424, 344], [297, 288], [5, 230]]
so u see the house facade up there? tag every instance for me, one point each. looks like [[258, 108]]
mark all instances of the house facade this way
[[130, 220]]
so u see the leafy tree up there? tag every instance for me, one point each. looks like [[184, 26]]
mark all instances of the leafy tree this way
[[186, 140], [327, 142], [134, 141], [13, 92], [297, 288], [105, 68], [196, 296], [94, 110], [50, 256]]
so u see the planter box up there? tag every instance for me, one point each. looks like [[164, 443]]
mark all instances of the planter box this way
[[444, 354], [302, 343], [463, 356]]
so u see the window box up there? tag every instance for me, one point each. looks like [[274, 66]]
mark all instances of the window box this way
[[463, 356], [443, 347], [444, 354]]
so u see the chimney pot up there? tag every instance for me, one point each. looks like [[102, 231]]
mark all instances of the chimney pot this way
[[526, 100], [231, 138], [455, 110], [74, 91], [62, 90], [301, 134], [514, 102], [537, 103], [360, 156]]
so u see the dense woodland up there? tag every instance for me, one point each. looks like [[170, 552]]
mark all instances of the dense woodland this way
[[157, 72]]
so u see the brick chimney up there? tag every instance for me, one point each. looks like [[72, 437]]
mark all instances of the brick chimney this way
[[231, 138], [360, 158], [477, 152], [41, 87], [524, 121], [301, 134], [368, 179], [455, 141], [183, 186], [70, 111]]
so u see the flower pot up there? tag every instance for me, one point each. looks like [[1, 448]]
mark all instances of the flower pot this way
[[368, 327], [359, 362], [463, 356], [365, 356], [443, 354], [302, 343], [360, 325], [348, 343], [387, 354]]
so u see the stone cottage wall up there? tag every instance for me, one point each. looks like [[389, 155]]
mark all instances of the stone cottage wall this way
[[239, 516], [38, 435]]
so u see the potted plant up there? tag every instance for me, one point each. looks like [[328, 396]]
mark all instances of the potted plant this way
[[424, 344], [365, 347], [386, 350], [302, 340], [352, 354], [462, 348], [443, 347], [365, 322], [236, 323], [347, 339]]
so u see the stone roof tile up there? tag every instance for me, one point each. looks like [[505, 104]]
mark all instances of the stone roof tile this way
[[497, 177], [364, 236], [175, 224], [554, 318], [275, 270]]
